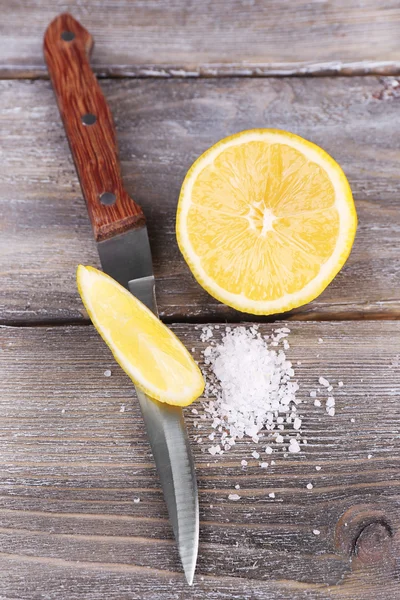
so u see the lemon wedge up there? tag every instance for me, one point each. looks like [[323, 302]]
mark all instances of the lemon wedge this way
[[149, 353], [265, 220]]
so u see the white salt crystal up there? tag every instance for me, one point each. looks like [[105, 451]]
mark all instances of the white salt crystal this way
[[264, 465], [250, 384], [316, 531], [63, 410], [214, 450], [279, 439], [329, 388], [294, 446], [369, 456], [330, 402], [268, 450], [271, 495], [272, 463], [195, 411], [255, 454], [331, 411], [193, 349], [313, 394], [309, 486], [107, 373], [340, 384], [237, 487], [136, 500], [206, 334], [122, 409], [297, 423], [352, 420], [320, 341], [234, 497], [317, 403], [318, 468], [244, 463], [323, 381]]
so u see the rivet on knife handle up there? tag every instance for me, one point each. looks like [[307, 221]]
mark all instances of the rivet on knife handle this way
[[89, 127]]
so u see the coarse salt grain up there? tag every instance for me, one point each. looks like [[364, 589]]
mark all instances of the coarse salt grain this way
[[136, 500], [268, 450], [317, 403], [318, 468], [234, 497], [122, 409], [244, 463], [316, 531], [237, 487], [340, 384], [255, 455], [107, 373], [294, 446], [323, 381], [263, 465], [271, 495], [250, 386]]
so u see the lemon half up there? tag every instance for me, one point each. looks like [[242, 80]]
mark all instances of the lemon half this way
[[265, 220]]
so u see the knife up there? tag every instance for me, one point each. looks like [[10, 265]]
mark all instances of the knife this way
[[120, 231]]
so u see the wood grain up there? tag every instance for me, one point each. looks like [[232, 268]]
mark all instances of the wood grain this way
[[71, 464], [182, 38], [162, 126], [93, 145]]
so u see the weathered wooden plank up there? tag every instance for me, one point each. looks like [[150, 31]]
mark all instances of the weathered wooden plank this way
[[162, 127], [71, 464], [189, 38]]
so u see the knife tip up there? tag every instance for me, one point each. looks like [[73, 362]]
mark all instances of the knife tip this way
[[189, 573], [189, 564]]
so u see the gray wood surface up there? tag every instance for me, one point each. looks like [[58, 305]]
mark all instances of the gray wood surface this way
[[162, 127], [213, 37], [73, 450], [72, 464]]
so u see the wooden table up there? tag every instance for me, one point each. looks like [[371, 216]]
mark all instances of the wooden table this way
[[180, 75]]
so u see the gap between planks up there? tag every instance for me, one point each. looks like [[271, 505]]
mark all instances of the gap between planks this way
[[323, 69]]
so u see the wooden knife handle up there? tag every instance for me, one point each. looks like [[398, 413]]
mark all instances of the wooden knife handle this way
[[89, 127]]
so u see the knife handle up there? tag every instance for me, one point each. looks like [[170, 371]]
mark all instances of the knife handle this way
[[89, 127]]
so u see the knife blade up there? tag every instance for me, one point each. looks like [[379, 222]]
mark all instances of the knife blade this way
[[120, 232]]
